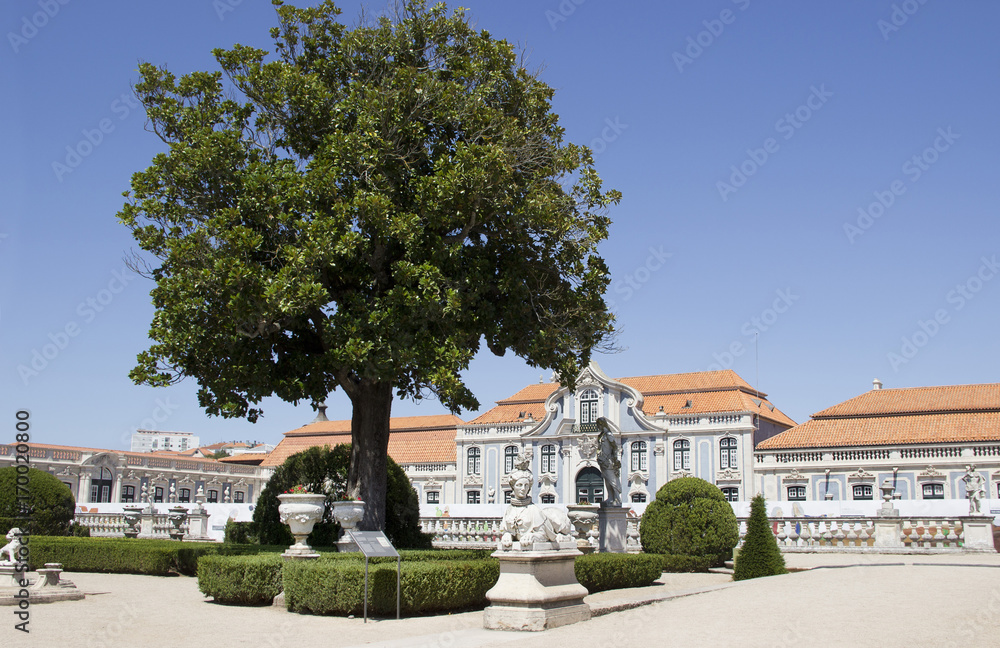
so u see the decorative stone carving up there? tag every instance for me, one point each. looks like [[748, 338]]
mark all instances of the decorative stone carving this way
[[349, 513], [861, 475], [609, 461], [795, 476], [566, 451], [473, 480], [526, 523], [681, 473], [588, 447], [659, 449], [13, 548], [133, 515], [177, 515], [931, 473], [728, 475], [975, 490]]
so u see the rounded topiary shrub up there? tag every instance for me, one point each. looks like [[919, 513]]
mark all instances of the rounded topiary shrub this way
[[689, 517], [44, 504], [311, 468], [759, 555]]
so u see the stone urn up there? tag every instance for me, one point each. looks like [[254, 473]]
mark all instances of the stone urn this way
[[348, 513], [300, 511], [177, 515], [132, 515], [584, 518]]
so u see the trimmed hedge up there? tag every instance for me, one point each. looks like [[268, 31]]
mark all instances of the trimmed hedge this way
[[130, 555], [676, 564], [690, 517], [337, 586], [49, 504], [240, 580], [759, 555], [607, 571]]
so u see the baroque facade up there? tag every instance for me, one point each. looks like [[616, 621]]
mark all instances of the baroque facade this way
[[704, 424], [924, 440]]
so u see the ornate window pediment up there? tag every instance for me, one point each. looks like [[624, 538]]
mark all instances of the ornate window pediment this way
[[861, 475], [473, 480], [681, 473], [547, 481], [795, 476], [728, 475], [931, 473]]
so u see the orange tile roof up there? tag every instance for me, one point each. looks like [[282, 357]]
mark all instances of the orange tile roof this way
[[888, 430], [950, 398], [905, 416], [709, 391], [412, 439]]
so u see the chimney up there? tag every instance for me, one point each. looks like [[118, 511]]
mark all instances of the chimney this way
[[876, 384], [320, 413]]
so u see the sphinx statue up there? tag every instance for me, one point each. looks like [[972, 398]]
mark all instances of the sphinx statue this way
[[526, 522]]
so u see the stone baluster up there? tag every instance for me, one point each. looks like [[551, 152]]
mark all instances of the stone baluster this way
[[782, 534], [806, 535], [952, 536], [925, 537], [851, 538], [939, 534], [793, 533], [840, 535], [827, 533]]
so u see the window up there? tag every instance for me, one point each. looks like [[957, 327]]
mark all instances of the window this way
[[933, 491], [213, 497], [475, 461], [433, 497], [238, 497], [639, 455], [158, 494], [796, 493], [638, 497], [682, 455], [128, 493], [548, 498], [548, 458], [727, 447], [507, 495], [509, 457], [185, 495], [732, 493], [588, 407], [862, 491], [472, 497]]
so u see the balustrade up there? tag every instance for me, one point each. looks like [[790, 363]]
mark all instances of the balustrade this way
[[858, 533]]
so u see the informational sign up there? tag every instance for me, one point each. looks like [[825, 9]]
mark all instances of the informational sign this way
[[374, 544]]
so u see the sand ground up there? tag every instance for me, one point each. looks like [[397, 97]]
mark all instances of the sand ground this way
[[841, 600]]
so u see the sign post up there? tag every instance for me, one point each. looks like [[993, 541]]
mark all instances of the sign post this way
[[374, 544]]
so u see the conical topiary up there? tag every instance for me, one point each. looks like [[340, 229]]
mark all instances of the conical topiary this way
[[759, 555]]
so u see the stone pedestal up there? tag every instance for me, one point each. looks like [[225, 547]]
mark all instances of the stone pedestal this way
[[9, 577], [978, 531], [197, 525], [146, 525], [612, 522], [537, 589], [888, 532]]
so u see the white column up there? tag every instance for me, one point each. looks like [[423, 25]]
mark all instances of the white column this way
[[83, 497], [116, 496]]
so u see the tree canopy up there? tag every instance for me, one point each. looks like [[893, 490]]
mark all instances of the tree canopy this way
[[362, 209]]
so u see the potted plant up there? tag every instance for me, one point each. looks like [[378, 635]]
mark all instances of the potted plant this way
[[301, 509]]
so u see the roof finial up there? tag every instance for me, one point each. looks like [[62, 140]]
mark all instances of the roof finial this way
[[876, 384], [320, 412]]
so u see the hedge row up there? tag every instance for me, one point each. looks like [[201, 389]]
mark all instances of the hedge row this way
[[130, 555], [678, 564], [607, 571], [337, 586], [240, 580]]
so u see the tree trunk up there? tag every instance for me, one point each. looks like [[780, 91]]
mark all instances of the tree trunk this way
[[372, 403]]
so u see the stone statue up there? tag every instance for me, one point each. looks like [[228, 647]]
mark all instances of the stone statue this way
[[13, 548], [974, 490], [527, 523], [609, 461]]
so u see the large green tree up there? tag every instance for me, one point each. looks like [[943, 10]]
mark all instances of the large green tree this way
[[361, 210]]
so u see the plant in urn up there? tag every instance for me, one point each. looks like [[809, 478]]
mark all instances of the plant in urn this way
[[300, 510]]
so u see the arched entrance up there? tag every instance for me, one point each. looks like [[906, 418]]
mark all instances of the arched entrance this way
[[100, 486], [590, 486]]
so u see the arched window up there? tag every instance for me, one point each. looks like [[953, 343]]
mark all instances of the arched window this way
[[588, 407], [548, 458], [727, 447], [509, 457], [100, 486], [682, 455], [589, 486], [639, 455], [475, 464]]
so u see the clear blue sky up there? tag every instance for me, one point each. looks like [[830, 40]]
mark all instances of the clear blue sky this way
[[828, 108]]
